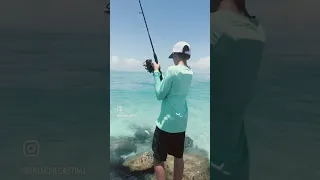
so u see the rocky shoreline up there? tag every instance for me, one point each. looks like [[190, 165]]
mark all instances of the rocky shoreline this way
[[131, 158]]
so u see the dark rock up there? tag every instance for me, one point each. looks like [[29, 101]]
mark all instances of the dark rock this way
[[122, 145], [188, 142], [143, 135]]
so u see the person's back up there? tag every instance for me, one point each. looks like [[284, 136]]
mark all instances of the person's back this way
[[171, 125], [237, 43], [174, 109]]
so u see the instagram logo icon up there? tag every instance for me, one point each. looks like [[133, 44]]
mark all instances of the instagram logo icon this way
[[31, 148]]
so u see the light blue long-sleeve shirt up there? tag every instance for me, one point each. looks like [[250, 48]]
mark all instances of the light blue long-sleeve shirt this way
[[173, 91]]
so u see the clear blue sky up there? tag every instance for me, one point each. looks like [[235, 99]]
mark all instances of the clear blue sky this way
[[169, 21]]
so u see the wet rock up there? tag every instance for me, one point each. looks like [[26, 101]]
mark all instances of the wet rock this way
[[140, 162], [131, 158], [196, 167], [188, 142], [143, 135], [122, 145]]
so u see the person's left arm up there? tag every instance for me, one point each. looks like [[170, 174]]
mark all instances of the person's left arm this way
[[163, 87]]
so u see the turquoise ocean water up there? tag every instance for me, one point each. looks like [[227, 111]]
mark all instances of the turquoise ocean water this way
[[133, 103]]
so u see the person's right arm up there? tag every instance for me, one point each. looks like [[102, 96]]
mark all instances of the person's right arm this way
[[163, 87]]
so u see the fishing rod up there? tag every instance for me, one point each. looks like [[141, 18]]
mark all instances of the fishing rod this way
[[148, 63]]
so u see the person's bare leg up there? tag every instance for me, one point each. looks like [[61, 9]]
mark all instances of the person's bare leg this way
[[178, 169], [159, 169]]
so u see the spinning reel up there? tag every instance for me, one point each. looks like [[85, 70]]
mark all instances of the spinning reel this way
[[148, 65]]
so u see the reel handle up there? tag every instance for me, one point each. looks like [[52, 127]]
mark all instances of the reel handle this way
[[149, 67], [156, 60]]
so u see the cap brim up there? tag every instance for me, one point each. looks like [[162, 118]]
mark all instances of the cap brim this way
[[171, 56]]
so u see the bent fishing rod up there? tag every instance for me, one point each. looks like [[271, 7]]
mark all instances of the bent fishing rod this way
[[148, 63]]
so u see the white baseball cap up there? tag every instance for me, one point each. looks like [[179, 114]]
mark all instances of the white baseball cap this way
[[181, 47]]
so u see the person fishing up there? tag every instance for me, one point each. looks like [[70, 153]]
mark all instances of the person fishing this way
[[236, 46], [171, 125]]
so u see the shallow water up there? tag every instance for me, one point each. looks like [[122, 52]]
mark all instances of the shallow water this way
[[133, 103]]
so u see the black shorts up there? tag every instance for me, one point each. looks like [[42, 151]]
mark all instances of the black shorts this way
[[165, 143]]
